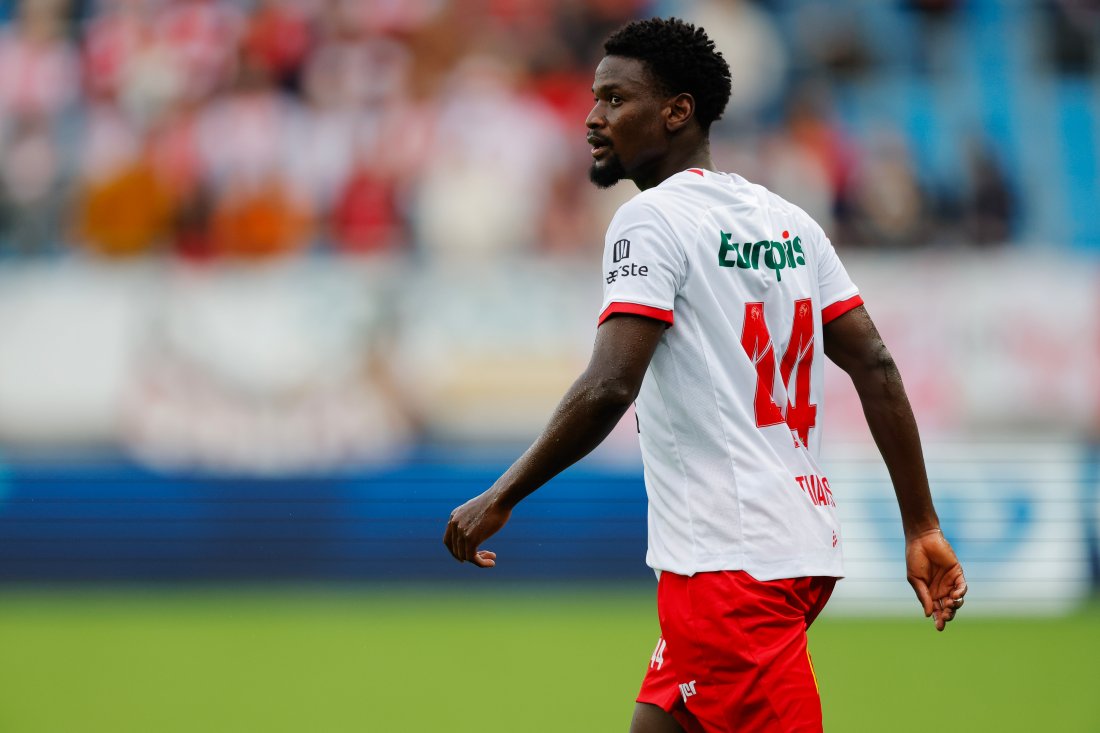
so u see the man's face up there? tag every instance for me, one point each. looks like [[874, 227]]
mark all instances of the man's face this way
[[626, 128]]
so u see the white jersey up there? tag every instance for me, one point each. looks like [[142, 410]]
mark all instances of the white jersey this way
[[729, 410]]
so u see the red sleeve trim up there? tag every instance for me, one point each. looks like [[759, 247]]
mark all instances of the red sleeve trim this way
[[838, 309], [637, 310]]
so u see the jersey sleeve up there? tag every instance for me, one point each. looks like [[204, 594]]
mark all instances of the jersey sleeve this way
[[838, 293], [643, 264]]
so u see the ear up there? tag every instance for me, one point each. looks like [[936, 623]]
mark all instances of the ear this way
[[678, 111]]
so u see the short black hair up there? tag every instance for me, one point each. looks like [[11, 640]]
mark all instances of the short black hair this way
[[682, 58]]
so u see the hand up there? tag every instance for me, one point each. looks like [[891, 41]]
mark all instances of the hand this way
[[471, 524], [936, 576]]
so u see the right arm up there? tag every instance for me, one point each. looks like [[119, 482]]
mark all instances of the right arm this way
[[637, 309], [853, 343], [585, 416]]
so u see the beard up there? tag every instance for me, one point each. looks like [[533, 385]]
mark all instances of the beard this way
[[608, 172]]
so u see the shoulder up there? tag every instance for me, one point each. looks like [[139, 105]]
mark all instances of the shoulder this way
[[647, 207], [776, 203], [680, 200], [792, 215], [790, 210]]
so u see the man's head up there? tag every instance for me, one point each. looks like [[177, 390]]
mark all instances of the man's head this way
[[659, 88]]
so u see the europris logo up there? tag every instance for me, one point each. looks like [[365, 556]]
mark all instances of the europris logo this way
[[778, 256], [621, 250]]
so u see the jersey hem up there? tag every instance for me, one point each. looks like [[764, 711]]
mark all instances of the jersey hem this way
[[636, 309], [798, 568], [834, 311]]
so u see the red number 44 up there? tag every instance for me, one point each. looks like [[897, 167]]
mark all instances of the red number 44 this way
[[799, 415]]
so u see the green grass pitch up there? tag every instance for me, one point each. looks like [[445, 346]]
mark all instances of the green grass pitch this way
[[559, 658]]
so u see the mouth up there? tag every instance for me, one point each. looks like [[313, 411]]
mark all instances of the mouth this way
[[600, 147]]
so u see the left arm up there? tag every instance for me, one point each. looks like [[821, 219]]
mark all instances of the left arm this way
[[587, 413], [853, 343]]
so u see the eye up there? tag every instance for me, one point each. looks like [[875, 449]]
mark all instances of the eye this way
[[615, 100]]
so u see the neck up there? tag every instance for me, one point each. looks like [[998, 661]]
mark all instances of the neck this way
[[692, 156]]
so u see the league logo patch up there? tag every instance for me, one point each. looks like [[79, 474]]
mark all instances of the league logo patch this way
[[621, 250]]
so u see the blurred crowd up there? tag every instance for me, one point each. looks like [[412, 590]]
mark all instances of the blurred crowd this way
[[219, 128]]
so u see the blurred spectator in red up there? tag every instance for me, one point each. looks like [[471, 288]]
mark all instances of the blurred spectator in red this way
[[128, 65], [39, 66], [562, 58], [364, 218], [351, 79], [278, 36], [173, 149], [113, 42], [496, 150], [397, 18], [563, 54], [202, 37], [383, 124], [259, 219], [350, 67], [244, 141]]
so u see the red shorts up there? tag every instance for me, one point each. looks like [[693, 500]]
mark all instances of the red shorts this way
[[732, 654]]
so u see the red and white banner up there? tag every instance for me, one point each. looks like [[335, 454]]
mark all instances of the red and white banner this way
[[322, 363]]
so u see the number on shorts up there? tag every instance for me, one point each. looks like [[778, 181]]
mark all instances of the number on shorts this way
[[658, 657]]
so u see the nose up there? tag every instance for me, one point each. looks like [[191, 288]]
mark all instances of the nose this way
[[595, 118]]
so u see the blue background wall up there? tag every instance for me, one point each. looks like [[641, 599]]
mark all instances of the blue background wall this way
[[121, 522]]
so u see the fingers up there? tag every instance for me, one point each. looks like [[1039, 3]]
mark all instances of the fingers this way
[[946, 610], [448, 539], [942, 614], [936, 577], [953, 601], [455, 540], [485, 559], [464, 549], [923, 595], [471, 524], [943, 609]]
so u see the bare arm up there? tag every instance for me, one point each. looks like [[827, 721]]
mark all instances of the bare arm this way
[[586, 414], [853, 343]]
